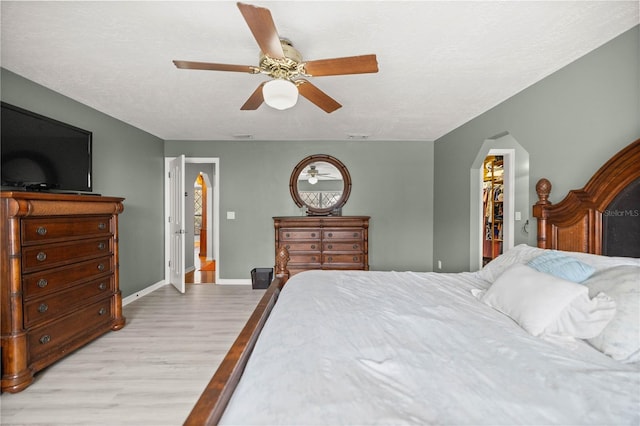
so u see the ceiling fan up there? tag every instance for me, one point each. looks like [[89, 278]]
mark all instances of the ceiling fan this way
[[313, 174], [284, 64]]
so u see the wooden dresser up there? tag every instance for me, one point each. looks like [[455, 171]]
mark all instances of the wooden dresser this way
[[59, 278], [324, 242]]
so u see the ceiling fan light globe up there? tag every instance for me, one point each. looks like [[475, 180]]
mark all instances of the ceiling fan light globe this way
[[313, 180], [280, 94]]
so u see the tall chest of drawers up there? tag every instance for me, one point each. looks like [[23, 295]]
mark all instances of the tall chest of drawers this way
[[323, 242], [59, 278]]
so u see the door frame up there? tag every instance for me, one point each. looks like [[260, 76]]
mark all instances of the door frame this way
[[214, 211]]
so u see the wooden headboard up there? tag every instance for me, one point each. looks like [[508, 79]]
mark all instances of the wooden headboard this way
[[601, 218]]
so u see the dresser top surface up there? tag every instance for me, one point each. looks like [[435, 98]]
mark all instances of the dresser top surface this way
[[50, 196], [328, 218]]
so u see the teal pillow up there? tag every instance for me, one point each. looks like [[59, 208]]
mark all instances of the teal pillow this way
[[562, 266]]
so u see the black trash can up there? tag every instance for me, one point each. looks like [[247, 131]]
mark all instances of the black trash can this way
[[261, 277]]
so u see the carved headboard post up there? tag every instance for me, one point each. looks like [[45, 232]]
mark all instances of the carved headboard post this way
[[543, 188], [282, 259]]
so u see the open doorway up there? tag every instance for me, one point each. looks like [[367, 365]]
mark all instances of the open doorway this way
[[493, 207], [204, 263], [199, 191], [497, 204]]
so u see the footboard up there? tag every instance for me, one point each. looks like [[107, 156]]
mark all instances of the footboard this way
[[214, 399]]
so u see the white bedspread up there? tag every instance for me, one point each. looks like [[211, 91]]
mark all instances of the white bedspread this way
[[392, 348]]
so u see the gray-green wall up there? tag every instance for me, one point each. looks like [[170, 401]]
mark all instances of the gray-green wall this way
[[127, 162], [391, 181], [570, 123]]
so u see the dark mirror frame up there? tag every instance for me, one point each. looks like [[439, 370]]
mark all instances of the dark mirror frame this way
[[346, 179]]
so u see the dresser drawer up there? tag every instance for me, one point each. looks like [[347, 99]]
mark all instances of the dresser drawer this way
[[46, 256], [342, 246], [38, 230], [42, 309], [306, 246], [335, 259], [50, 337], [300, 234], [50, 280], [342, 234], [307, 259]]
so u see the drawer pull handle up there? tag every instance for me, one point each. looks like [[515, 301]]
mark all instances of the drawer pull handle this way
[[42, 283], [42, 256], [330, 246], [313, 258], [330, 259], [355, 258], [355, 246], [100, 267], [45, 339], [355, 234], [102, 311], [287, 246], [102, 286], [313, 234], [101, 246], [313, 246], [331, 234], [102, 226], [41, 230], [287, 235], [43, 308]]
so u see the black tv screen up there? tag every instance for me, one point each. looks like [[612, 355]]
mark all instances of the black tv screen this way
[[39, 153]]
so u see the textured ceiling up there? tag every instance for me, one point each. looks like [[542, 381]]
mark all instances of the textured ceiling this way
[[441, 63]]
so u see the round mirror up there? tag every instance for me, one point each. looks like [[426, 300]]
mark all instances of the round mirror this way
[[321, 184]]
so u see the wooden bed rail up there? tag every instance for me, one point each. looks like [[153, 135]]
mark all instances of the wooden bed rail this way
[[215, 397]]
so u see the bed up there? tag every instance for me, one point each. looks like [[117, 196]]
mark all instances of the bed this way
[[541, 335]]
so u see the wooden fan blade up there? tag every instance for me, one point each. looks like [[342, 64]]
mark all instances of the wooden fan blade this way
[[263, 28], [255, 100], [317, 96], [339, 66], [215, 67]]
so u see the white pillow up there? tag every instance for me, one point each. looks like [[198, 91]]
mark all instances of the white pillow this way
[[521, 253], [524, 253], [621, 338], [601, 262], [546, 305]]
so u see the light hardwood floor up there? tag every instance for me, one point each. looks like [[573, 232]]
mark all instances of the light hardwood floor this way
[[149, 373]]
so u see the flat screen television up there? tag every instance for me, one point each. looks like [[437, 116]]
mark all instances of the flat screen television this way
[[38, 153]]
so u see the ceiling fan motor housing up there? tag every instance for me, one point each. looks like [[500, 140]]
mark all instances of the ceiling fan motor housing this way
[[288, 68]]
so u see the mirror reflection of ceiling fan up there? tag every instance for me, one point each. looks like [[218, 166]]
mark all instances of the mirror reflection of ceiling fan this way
[[313, 174], [320, 171], [283, 63]]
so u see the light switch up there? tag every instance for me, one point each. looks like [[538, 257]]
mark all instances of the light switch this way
[[231, 215], [518, 216]]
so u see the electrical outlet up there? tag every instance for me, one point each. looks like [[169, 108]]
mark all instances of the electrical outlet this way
[[231, 215]]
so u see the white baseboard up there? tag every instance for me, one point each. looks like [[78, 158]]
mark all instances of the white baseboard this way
[[143, 292], [159, 284]]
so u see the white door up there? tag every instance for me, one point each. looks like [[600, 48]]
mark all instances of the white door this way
[[176, 223]]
